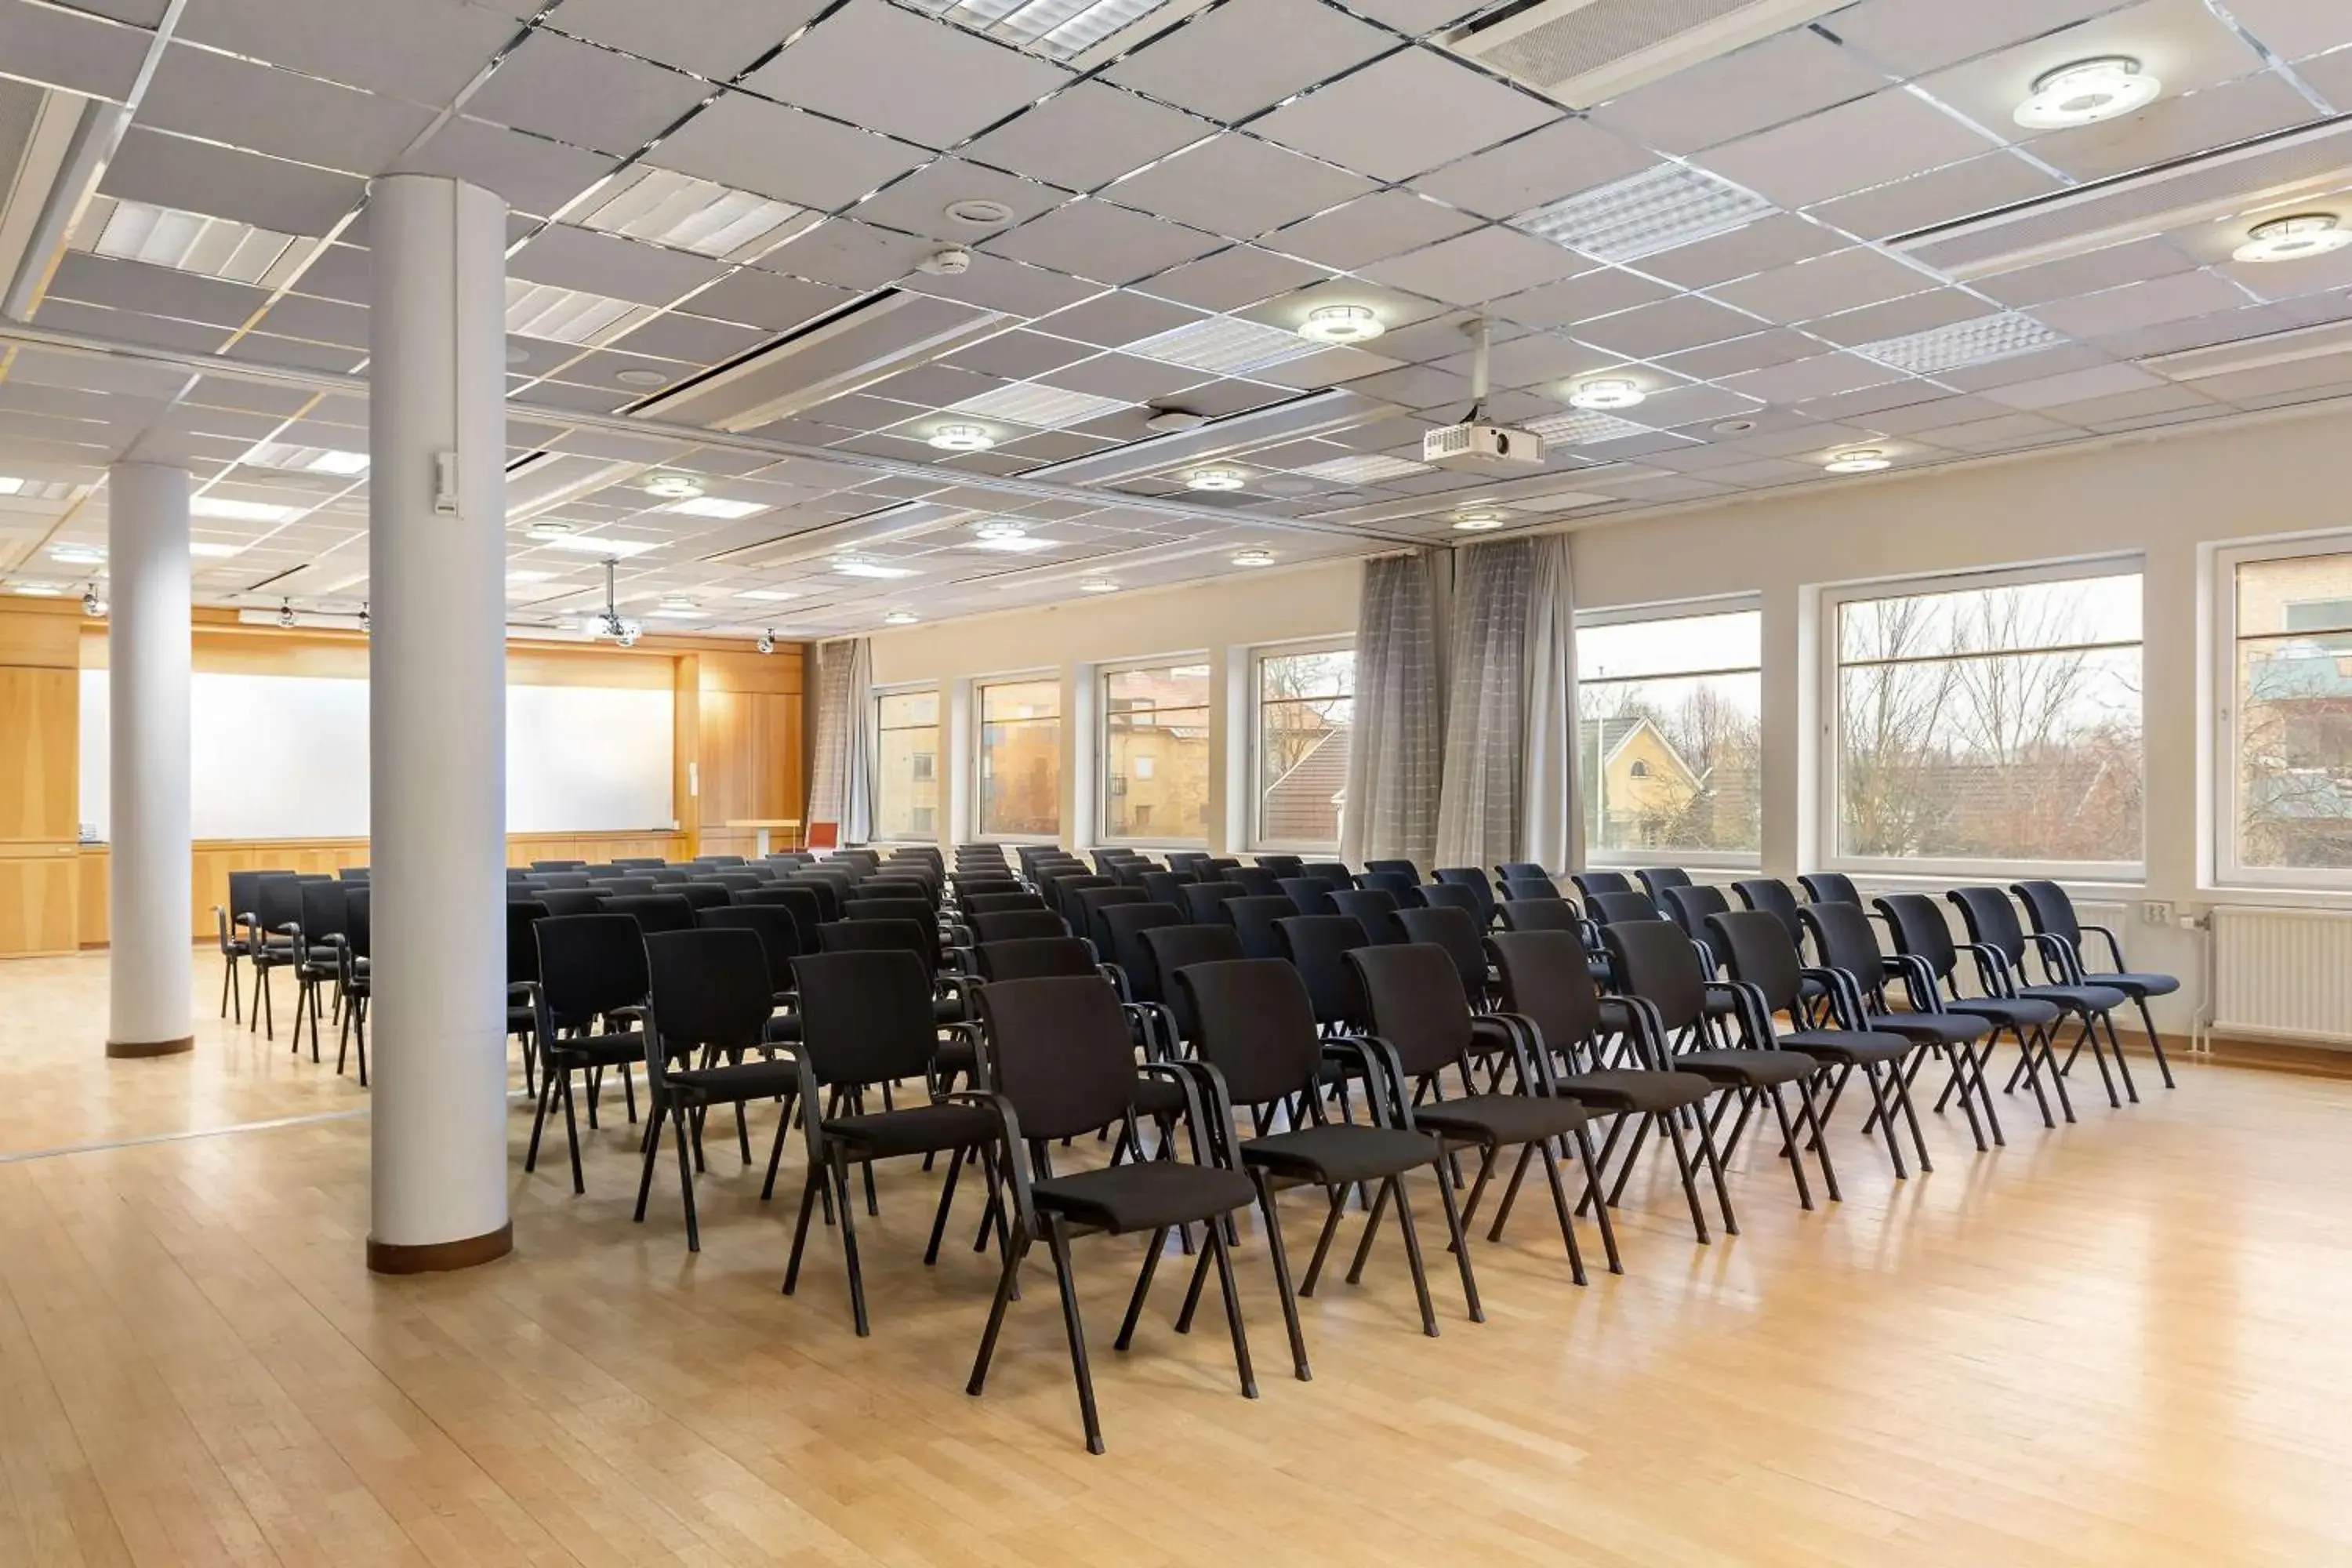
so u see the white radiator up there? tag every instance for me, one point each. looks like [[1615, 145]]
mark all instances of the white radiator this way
[[2283, 972]]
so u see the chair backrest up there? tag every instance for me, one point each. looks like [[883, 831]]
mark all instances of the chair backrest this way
[[1026, 958], [323, 910], [1065, 896], [800, 902], [779, 934], [719, 859], [1755, 946], [1452, 896], [916, 911], [1255, 881], [590, 965], [1517, 889], [1992, 921], [1655, 961], [703, 895], [2050, 909], [1127, 924], [1317, 946], [1456, 931], [1252, 919], [352, 873], [1656, 879], [574, 880], [570, 901], [1830, 888], [244, 893], [979, 903], [1254, 1022], [654, 912], [627, 886], [1018, 925], [1396, 884], [1920, 931], [827, 893], [877, 936], [1059, 1051], [1413, 994], [1521, 871], [1170, 950], [1374, 909], [1193, 862], [667, 876], [1309, 895], [1471, 878], [1614, 908], [1404, 869], [1775, 897], [522, 944], [1168, 886], [638, 862], [559, 864], [1591, 882], [1284, 865], [1205, 902], [1691, 904], [357, 927], [1542, 914], [866, 1016], [1546, 979], [1093, 901], [1336, 872], [1842, 939], [278, 900]]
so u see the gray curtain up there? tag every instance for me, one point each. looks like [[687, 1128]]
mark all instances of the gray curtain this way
[[1393, 766], [1480, 812], [841, 788], [1548, 814]]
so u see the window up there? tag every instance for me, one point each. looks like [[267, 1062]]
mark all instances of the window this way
[[1021, 758], [1997, 719], [1306, 711], [2288, 781], [1668, 739], [1156, 752], [905, 764]]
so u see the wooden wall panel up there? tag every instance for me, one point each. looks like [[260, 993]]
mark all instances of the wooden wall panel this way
[[40, 738], [37, 899], [748, 745]]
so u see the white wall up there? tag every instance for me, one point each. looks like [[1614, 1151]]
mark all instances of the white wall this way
[[2169, 496], [1220, 618]]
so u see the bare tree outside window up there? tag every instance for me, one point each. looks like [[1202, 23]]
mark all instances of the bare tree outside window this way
[[1669, 742], [1305, 716], [2294, 659], [1021, 757], [1993, 723]]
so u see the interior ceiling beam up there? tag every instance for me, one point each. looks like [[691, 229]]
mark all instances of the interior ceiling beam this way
[[92, 344]]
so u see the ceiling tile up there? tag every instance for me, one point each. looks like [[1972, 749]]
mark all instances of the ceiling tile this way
[[1108, 320], [2175, 299], [877, 66], [1230, 62], [1238, 275], [757, 146], [764, 299], [318, 320], [196, 176], [1941, 196], [1089, 134], [1885, 137], [919, 203], [1371, 228], [218, 97], [1777, 240], [1484, 265], [1236, 185], [1538, 359], [691, 338], [1093, 239], [1019, 355], [2074, 387], [1844, 280], [1696, 404], [1899, 318], [534, 176], [716, 38], [994, 283], [1782, 78], [1127, 377], [1603, 292], [1912, 37], [1561, 159], [589, 97], [2107, 268], [1354, 121], [158, 290], [2295, 28], [2176, 127], [849, 254], [1824, 376], [1775, 346], [1670, 325], [606, 264], [81, 54]]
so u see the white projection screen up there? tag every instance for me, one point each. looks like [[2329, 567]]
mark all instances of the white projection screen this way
[[285, 756]]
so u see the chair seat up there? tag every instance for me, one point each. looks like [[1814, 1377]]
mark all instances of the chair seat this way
[[1851, 1045], [2076, 998], [1635, 1089], [2136, 984], [1927, 1028], [917, 1129], [1145, 1194], [2007, 1012], [1502, 1118], [1339, 1152], [1739, 1065], [522, 1020], [740, 1080], [596, 1050]]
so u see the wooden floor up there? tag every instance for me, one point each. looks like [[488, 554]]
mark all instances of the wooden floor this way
[[2122, 1342]]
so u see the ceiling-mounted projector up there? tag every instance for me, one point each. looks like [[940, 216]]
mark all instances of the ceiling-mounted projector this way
[[1478, 445]]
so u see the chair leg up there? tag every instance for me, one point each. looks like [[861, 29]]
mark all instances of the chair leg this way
[[1058, 1241], [1886, 1120], [776, 1152], [1901, 1091], [2123, 1067], [1371, 1229], [2147, 1021], [686, 1180], [1591, 1186], [947, 1202], [652, 1152], [228, 987], [1811, 1111], [1282, 1275], [1567, 1226], [1413, 1252], [799, 1230], [1323, 1241], [1017, 1249], [359, 1040], [1511, 1192], [1456, 1228], [1142, 1289], [538, 1122], [572, 1138], [849, 1238], [1682, 1167], [1233, 1308]]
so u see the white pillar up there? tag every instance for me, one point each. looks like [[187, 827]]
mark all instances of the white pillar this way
[[148, 871], [437, 670]]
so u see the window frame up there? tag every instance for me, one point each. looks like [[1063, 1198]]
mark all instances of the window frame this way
[[1254, 742], [978, 718], [874, 755], [1830, 744], [1599, 858], [2228, 869], [1102, 678]]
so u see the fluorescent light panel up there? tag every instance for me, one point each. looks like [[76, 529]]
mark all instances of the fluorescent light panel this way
[[1058, 28], [1979, 342], [715, 506], [1026, 544], [567, 315], [1659, 209], [687, 213], [1225, 345], [1038, 406], [192, 242], [307, 460], [35, 489], [1584, 428], [239, 511], [766, 596], [595, 544], [873, 569], [215, 549], [1364, 469]]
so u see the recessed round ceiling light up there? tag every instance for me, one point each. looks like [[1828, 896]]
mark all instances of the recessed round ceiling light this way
[[1001, 527], [980, 212], [1253, 558], [2087, 92], [640, 378], [1216, 480], [549, 529], [517, 355], [1478, 521], [1609, 391], [900, 618], [1342, 324], [962, 438], [674, 487], [2292, 238], [1862, 461], [1734, 426], [1097, 585]]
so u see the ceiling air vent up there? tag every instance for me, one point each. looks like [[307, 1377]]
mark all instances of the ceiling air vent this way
[[1584, 52]]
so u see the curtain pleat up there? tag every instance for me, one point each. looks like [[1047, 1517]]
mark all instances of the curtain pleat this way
[[840, 789], [1395, 763], [1547, 771], [1479, 813]]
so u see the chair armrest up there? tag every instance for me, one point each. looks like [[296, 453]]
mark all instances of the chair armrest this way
[[636, 1012], [1535, 1072], [1351, 1052], [1208, 1107], [522, 991], [1015, 1170], [1376, 1050], [2115, 948], [2059, 962], [1993, 973]]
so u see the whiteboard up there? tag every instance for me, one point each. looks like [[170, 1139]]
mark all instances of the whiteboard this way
[[286, 756]]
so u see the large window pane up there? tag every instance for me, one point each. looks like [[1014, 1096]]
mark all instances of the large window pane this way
[[1991, 724], [1021, 757], [1156, 752], [907, 764], [2295, 713], [1305, 714], [1669, 743]]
